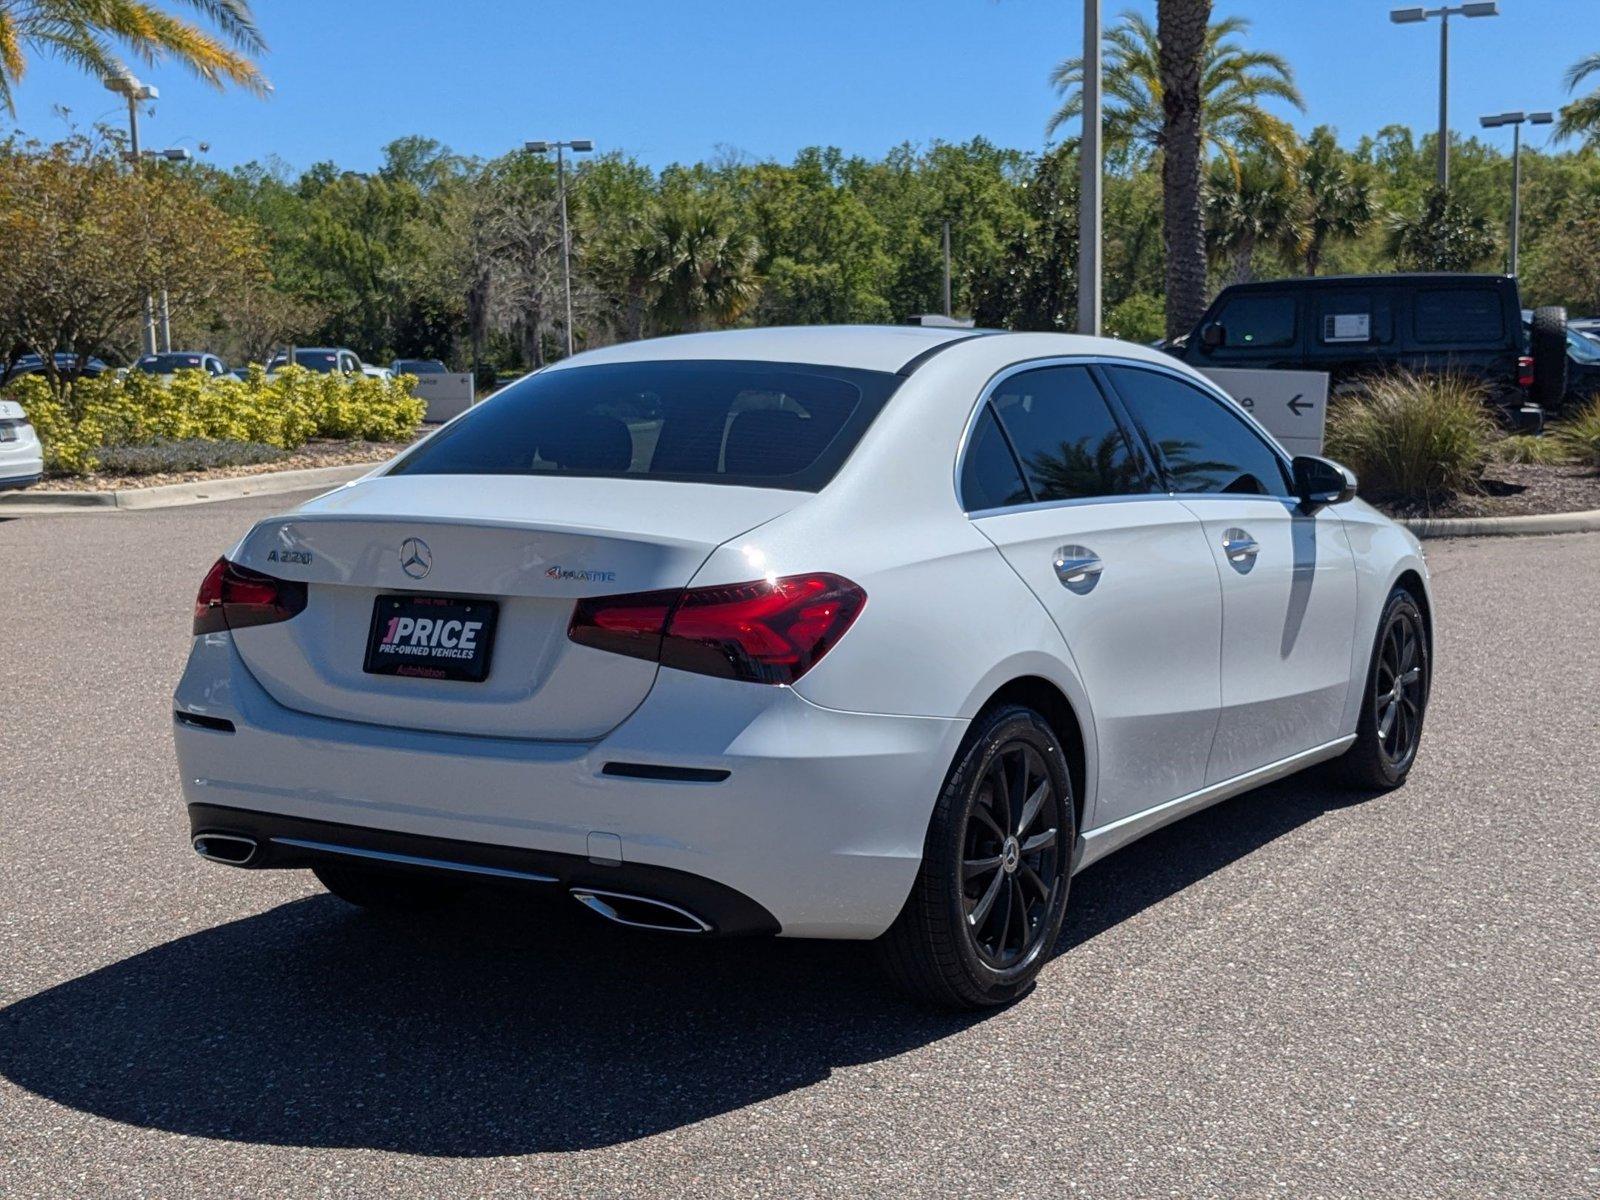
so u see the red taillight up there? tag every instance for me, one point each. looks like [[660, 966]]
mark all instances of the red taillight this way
[[1525, 371], [235, 597], [769, 631]]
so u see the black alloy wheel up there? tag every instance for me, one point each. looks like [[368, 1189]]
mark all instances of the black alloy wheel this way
[[1399, 679], [988, 901], [1010, 855]]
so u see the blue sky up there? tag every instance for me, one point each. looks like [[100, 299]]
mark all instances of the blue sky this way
[[680, 81]]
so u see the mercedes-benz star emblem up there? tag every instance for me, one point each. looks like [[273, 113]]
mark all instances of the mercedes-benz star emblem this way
[[416, 560]]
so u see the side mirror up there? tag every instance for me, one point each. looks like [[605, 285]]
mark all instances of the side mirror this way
[[1213, 335], [1321, 481]]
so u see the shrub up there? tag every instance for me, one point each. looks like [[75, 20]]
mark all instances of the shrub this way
[[286, 410], [1410, 437], [1579, 436], [189, 454], [1527, 449]]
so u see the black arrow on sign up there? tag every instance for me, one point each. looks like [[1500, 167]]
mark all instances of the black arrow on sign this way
[[1297, 405]]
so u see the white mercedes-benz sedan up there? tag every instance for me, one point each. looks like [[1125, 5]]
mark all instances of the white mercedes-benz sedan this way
[[827, 632]]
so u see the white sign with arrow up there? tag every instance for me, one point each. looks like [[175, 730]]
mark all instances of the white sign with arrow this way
[[1292, 405]]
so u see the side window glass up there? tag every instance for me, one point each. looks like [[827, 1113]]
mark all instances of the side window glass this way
[[989, 475], [1353, 319], [1258, 322], [1458, 315], [1204, 446], [1070, 445]]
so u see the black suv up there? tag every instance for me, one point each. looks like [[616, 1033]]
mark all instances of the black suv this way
[[1351, 325]]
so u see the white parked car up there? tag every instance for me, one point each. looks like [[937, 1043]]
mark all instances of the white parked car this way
[[828, 632], [21, 455]]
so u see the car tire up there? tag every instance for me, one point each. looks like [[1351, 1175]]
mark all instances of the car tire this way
[[1395, 700], [998, 854], [385, 891], [1548, 345]]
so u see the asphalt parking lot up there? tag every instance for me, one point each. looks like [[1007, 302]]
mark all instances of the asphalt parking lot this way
[[1302, 992]]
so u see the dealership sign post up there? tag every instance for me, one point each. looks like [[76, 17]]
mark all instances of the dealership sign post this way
[[1291, 405]]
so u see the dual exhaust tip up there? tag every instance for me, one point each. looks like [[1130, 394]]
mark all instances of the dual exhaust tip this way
[[621, 908]]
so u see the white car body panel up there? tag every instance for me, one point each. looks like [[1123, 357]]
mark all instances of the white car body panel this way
[[21, 459], [833, 779]]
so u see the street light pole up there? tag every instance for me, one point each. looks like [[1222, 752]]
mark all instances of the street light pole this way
[[176, 154], [947, 311], [1410, 16], [1516, 121], [577, 146], [127, 85], [1090, 170]]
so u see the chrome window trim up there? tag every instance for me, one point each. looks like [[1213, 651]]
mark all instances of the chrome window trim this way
[[1202, 384]]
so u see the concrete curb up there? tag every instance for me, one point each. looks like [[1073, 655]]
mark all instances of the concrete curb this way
[[1448, 527], [205, 491]]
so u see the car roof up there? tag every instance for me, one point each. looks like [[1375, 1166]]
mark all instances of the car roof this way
[[892, 348], [866, 347], [1391, 279]]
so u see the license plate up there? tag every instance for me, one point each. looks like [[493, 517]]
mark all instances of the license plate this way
[[431, 637]]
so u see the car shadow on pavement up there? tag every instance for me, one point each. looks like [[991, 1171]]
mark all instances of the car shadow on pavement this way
[[512, 1026]]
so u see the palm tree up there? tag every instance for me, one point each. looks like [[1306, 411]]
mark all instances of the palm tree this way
[[1182, 29], [1259, 205], [697, 262], [1581, 118], [1233, 83], [1339, 203], [86, 34]]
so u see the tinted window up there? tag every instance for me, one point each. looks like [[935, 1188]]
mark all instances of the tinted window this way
[[1204, 446], [753, 423], [1069, 444], [1353, 318], [1257, 322], [162, 364], [1459, 315], [989, 474]]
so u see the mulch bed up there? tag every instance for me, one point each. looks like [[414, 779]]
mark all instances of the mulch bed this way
[[1512, 490], [312, 454]]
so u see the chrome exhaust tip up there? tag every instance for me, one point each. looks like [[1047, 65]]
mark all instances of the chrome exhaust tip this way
[[232, 848], [640, 912]]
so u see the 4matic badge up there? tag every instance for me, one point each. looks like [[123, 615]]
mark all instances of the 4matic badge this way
[[580, 575]]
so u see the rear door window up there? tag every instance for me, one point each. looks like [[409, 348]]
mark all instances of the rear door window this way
[[750, 423], [1203, 445], [1069, 444], [1258, 322], [990, 477], [1461, 316]]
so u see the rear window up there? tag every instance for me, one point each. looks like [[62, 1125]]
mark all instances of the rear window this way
[[747, 423], [1459, 315], [162, 364]]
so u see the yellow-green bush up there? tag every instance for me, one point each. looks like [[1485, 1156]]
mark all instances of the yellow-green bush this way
[[286, 409]]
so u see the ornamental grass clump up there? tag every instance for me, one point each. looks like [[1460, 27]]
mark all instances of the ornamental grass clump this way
[[1579, 435], [1414, 438]]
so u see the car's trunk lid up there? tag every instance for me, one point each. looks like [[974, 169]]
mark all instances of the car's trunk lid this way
[[532, 544]]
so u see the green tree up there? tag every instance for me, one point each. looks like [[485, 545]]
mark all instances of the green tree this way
[[1034, 285], [698, 262], [1581, 118], [1443, 235], [1339, 201], [85, 34], [1257, 205], [1233, 84], [84, 242]]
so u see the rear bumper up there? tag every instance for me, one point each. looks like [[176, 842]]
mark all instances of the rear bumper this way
[[282, 842], [813, 819]]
